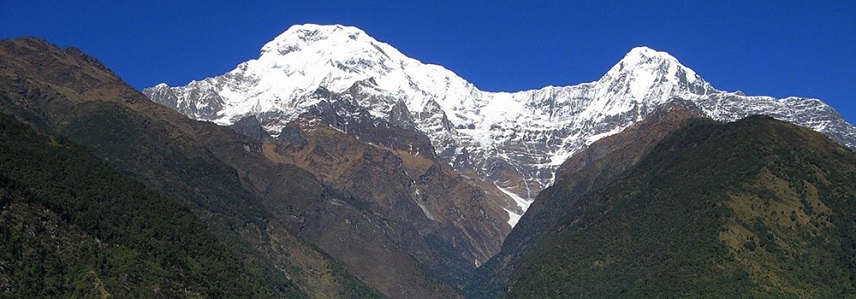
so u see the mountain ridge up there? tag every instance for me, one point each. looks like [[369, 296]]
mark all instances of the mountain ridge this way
[[68, 94], [377, 205], [514, 139]]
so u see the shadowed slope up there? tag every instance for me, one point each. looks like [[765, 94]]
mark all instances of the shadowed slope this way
[[68, 93], [73, 226], [757, 207]]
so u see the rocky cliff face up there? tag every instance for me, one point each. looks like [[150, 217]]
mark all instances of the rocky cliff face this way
[[402, 201], [515, 140]]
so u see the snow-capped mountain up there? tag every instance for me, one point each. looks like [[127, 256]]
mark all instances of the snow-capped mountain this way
[[516, 140]]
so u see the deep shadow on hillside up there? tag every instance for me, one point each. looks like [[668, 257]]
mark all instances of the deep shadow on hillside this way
[[755, 208]]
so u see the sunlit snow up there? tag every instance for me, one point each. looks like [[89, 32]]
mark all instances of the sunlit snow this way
[[533, 130]]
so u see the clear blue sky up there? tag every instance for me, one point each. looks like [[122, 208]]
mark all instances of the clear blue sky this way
[[777, 48]]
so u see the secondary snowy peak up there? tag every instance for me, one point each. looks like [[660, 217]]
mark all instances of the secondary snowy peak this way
[[645, 62], [648, 75]]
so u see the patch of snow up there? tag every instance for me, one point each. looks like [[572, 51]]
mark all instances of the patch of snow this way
[[513, 217], [418, 198], [521, 203]]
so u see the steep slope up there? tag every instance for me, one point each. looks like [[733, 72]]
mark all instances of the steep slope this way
[[602, 163], [407, 205], [757, 208], [516, 140], [68, 93], [72, 226], [382, 198], [402, 209]]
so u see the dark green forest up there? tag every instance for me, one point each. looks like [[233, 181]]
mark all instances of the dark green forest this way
[[752, 209], [72, 226]]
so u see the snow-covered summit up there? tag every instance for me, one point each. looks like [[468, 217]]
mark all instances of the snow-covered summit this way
[[304, 58], [643, 68], [336, 57], [515, 139]]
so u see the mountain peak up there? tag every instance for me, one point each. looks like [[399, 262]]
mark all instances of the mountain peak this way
[[473, 128], [330, 56], [647, 61], [642, 53], [298, 37], [314, 32], [644, 70]]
